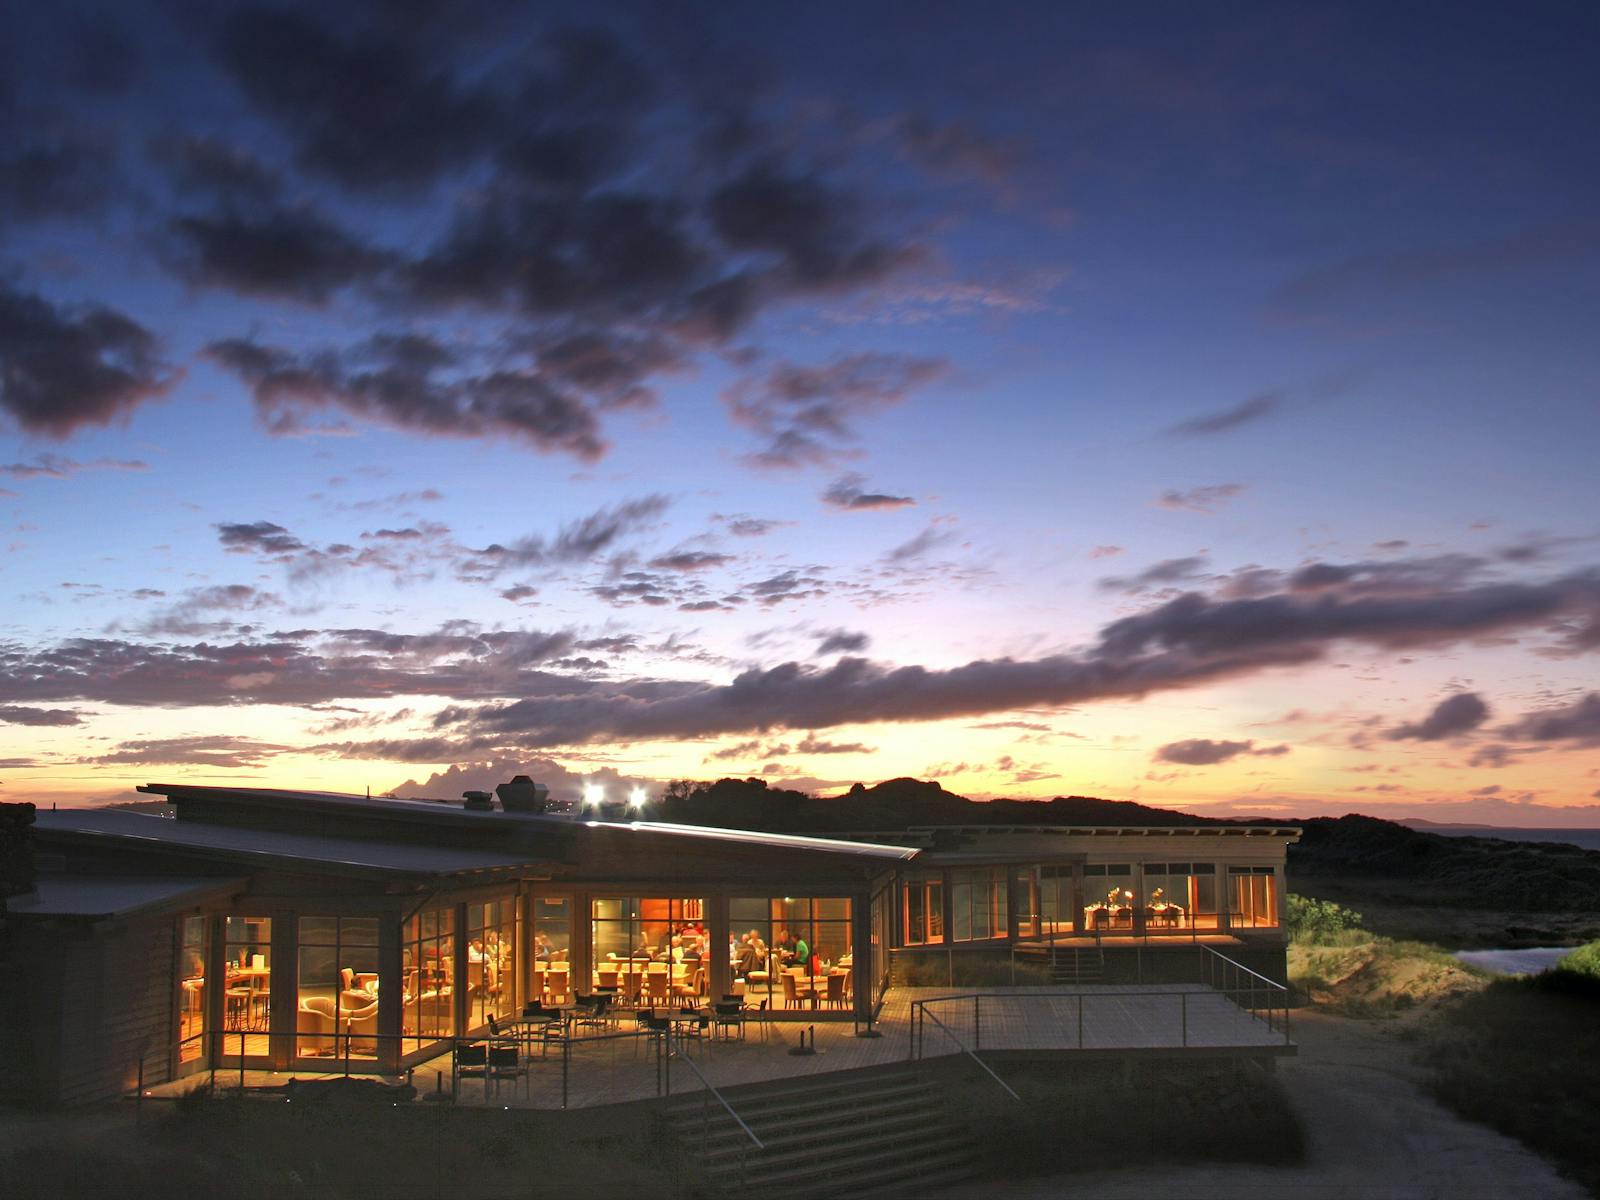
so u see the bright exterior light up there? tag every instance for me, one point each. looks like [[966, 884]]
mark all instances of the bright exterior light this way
[[593, 793], [636, 797]]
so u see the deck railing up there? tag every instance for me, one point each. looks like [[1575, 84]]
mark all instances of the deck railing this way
[[986, 1014]]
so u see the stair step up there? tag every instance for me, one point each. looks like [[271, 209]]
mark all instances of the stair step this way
[[801, 1099], [918, 1171], [782, 1144], [807, 1176], [806, 1132]]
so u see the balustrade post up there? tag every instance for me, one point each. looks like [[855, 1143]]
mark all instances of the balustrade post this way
[[1184, 998]]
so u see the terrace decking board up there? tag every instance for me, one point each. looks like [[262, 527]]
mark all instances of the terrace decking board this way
[[1115, 1018]]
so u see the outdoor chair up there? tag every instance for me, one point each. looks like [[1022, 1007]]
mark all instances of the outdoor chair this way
[[504, 1062], [729, 1020], [471, 1059]]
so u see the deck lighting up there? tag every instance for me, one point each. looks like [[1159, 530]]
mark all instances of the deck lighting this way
[[636, 797], [594, 793]]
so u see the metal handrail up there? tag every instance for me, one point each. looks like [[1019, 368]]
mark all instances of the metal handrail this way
[[721, 1099], [960, 1045], [1271, 983]]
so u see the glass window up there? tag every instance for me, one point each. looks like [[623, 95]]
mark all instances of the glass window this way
[[1180, 897], [491, 962], [922, 906], [247, 984], [427, 978], [192, 989], [792, 951], [1109, 897], [978, 904], [653, 950], [337, 1010], [1253, 898], [1055, 899]]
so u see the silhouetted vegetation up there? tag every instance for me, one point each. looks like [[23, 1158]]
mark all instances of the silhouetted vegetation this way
[[893, 804], [1100, 1116], [1408, 865], [346, 1147], [1520, 1056]]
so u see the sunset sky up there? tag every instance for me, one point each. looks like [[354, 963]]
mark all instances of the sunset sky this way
[[1193, 404]]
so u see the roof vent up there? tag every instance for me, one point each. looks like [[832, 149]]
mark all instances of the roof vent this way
[[523, 795], [478, 801]]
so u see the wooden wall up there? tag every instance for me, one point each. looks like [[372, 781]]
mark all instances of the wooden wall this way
[[92, 1004]]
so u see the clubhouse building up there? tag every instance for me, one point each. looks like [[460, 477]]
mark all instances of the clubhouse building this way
[[278, 930]]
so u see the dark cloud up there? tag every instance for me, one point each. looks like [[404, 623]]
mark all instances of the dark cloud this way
[[689, 560], [13, 714], [258, 537], [1243, 413], [914, 548], [186, 618], [1200, 499], [202, 751], [54, 466], [842, 641], [1184, 642], [371, 109], [1577, 722], [752, 526], [64, 367], [808, 413], [1167, 571], [53, 179], [1203, 752], [1451, 717], [576, 541], [411, 382], [281, 253], [849, 493], [815, 232]]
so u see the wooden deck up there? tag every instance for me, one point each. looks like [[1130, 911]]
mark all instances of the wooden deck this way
[[1173, 1020]]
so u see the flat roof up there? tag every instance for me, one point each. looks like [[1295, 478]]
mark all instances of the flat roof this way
[[1176, 831], [457, 816], [271, 847], [787, 841], [99, 897]]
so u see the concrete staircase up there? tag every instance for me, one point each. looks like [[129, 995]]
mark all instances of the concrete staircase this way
[[880, 1132]]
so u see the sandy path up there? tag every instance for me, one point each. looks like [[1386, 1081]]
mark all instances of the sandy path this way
[[1371, 1133]]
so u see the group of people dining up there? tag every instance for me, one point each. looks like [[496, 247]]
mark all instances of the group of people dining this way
[[672, 965]]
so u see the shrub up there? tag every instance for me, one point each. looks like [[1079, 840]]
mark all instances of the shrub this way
[[1585, 960], [1313, 920]]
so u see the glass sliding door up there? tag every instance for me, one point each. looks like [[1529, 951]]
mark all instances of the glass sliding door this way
[[491, 962], [193, 952], [793, 951], [1253, 898], [654, 950], [427, 978], [336, 1012], [978, 904], [247, 986]]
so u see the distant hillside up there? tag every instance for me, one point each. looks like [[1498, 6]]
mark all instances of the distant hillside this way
[[1472, 872], [893, 804]]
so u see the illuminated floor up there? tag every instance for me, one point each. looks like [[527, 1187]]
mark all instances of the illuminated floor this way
[[1092, 1018]]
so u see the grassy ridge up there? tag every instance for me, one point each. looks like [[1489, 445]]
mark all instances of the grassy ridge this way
[[1520, 1055]]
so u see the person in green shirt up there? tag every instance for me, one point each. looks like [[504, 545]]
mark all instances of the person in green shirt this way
[[802, 954]]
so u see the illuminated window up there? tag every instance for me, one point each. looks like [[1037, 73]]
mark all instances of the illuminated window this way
[[247, 985], [1180, 897], [809, 940], [1109, 897], [427, 978], [922, 906], [657, 950], [491, 961], [978, 904], [337, 1012], [192, 990], [1253, 897]]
